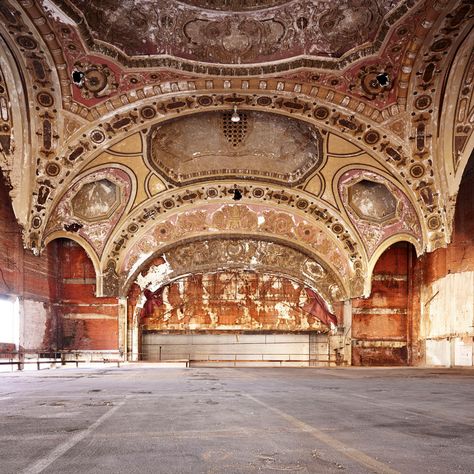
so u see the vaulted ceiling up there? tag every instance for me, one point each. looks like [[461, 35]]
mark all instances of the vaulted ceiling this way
[[355, 124]]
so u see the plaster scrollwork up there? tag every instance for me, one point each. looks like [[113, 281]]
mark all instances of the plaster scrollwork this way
[[425, 168], [378, 209], [215, 220], [82, 147], [182, 200], [202, 256], [93, 206]]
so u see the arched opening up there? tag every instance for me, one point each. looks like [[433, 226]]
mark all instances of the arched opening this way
[[86, 322], [231, 317], [382, 324]]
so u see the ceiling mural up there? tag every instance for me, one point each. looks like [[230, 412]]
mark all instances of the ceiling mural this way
[[130, 145], [377, 208], [290, 29]]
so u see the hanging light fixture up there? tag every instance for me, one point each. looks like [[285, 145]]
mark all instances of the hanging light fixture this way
[[235, 116]]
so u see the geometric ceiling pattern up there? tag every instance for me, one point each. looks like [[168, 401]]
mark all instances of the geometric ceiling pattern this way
[[320, 131]]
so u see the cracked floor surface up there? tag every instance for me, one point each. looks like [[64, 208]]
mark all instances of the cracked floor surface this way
[[139, 419]]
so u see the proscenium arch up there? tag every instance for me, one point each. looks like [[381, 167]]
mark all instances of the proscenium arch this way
[[257, 212], [128, 280], [135, 295], [343, 283]]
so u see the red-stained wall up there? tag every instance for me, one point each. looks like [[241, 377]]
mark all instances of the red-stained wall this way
[[443, 279], [30, 278], [380, 323], [459, 254], [86, 321], [58, 306]]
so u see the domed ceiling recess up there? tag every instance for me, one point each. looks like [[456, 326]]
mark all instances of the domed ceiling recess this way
[[258, 146], [343, 144]]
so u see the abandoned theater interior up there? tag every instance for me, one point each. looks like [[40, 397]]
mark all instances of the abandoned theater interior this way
[[238, 182]]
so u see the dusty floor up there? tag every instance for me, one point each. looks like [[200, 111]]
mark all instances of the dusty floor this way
[[151, 420]]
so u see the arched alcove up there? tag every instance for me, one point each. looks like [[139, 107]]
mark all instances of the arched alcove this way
[[213, 309], [382, 323], [85, 322]]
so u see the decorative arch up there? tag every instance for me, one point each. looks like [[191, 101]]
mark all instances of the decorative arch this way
[[225, 300], [386, 244], [429, 72], [456, 139], [236, 252], [237, 219], [84, 244], [80, 149], [374, 228], [296, 201]]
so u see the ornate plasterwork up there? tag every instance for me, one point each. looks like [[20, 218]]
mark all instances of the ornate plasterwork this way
[[203, 256], [235, 219], [92, 207], [35, 100], [355, 128], [185, 198], [6, 122], [260, 145], [137, 99], [427, 102], [464, 114], [235, 5], [73, 51], [372, 201], [299, 28], [378, 209], [96, 200]]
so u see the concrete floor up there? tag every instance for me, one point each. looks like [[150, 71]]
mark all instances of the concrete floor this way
[[139, 419]]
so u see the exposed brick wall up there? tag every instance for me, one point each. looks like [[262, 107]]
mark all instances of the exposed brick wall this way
[[58, 306], [29, 277], [459, 255], [443, 279], [380, 322], [86, 322]]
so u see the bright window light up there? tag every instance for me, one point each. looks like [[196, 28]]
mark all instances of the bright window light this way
[[9, 321]]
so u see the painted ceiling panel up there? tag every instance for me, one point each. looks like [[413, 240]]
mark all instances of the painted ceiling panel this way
[[258, 145], [233, 33]]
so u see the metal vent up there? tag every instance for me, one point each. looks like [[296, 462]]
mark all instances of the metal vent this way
[[235, 132]]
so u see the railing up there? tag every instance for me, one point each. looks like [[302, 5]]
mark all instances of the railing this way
[[23, 359], [19, 360], [247, 358]]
